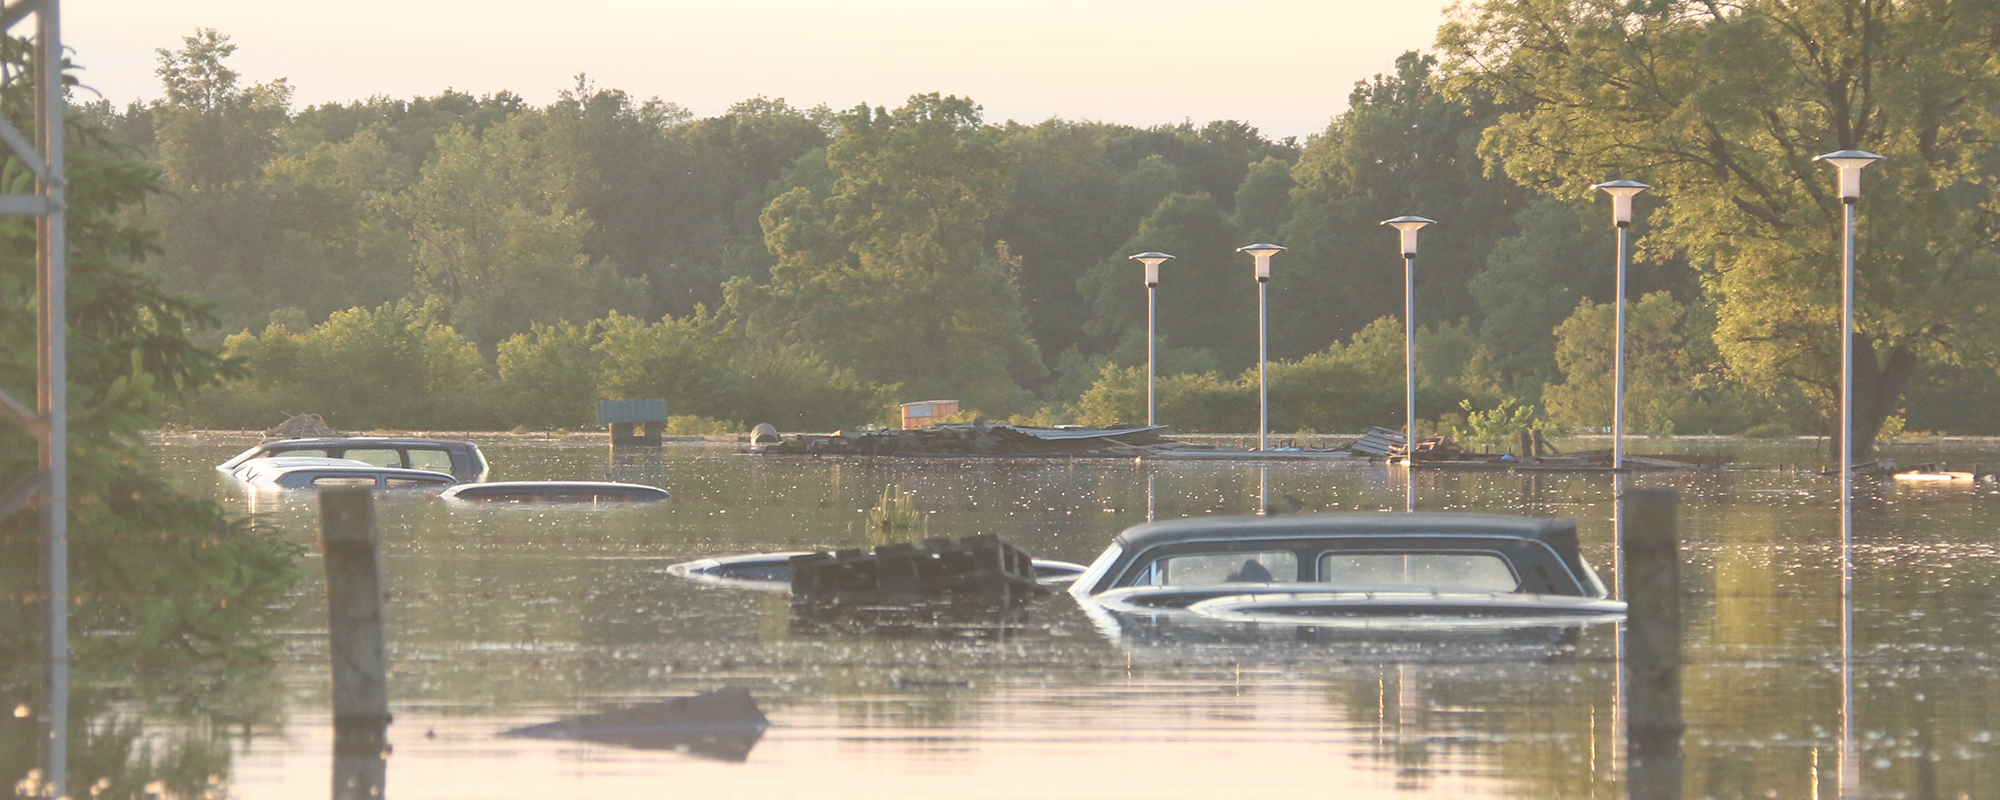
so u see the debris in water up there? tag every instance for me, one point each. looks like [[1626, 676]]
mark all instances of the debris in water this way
[[982, 439], [723, 724], [302, 426], [976, 571]]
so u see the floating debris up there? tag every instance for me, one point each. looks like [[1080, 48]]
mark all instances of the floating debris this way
[[302, 426], [1936, 473], [979, 438], [723, 724], [1377, 442], [976, 571]]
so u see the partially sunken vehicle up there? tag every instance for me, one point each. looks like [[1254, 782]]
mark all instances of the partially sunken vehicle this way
[[555, 492], [772, 572], [1366, 570], [331, 473], [461, 459]]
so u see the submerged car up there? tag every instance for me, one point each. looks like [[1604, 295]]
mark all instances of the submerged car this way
[[1351, 570], [772, 572], [461, 459], [555, 492], [331, 473]]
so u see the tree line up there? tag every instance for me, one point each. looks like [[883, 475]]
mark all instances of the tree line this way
[[478, 262]]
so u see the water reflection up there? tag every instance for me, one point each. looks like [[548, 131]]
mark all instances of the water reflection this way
[[170, 664], [502, 618]]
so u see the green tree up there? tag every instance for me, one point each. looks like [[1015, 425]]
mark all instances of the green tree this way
[[339, 244], [548, 376], [750, 149], [1532, 282], [1402, 147], [1657, 373], [499, 232], [169, 593], [213, 133], [1207, 294], [702, 365], [214, 138], [1348, 386], [1063, 216], [396, 366], [887, 273], [1264, 202], [1723, 107]]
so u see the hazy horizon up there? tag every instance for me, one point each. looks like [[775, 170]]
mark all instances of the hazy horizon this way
[[1284, 66]]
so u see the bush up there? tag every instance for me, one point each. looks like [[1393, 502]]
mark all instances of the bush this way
[[701, 365], [548, 377], [392, 367]]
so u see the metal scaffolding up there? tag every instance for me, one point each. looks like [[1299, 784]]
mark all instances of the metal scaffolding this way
[[47, 489]]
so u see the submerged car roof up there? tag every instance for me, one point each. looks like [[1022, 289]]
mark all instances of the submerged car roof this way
[[399, 441], [300, 476], [1558, 535], [474, 468]]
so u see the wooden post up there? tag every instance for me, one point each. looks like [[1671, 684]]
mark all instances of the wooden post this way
[[1652, 644], [351, 542]]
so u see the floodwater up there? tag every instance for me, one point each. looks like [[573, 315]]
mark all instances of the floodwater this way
[[501, 617]]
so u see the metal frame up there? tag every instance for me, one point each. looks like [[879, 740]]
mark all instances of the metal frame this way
[[49, 421]]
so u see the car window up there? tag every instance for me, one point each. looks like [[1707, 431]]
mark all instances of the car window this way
[[437, 460], [1209, 568], [342, 482], [411, 483], [1477, 571], [379, 457]]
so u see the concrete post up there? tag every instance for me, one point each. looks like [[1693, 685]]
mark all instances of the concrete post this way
[[1652, 592], [351, 541]]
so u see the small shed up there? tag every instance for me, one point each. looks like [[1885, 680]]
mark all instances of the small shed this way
[[925, 413], [633, 422]]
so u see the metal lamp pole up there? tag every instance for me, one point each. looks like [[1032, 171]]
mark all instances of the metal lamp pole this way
[[1262, 252], [1850, 163], [1152, 261], [1408, 226], [1621, 193]]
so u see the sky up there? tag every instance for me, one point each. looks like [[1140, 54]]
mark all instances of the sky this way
[[1285, 66]]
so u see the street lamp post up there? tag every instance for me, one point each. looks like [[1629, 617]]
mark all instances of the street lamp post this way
[[1152, 261], [1621, 193], [1262, 253], [1408, 227], [1850, 163]]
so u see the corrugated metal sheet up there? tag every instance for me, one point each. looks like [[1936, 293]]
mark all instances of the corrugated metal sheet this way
[[1377, 441], [610, 411], [1060, 434]]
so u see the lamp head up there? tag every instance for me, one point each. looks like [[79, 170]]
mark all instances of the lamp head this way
[[1408, 226], [1849, 162], [1262, 252], [1152, 261], [1621, 193]]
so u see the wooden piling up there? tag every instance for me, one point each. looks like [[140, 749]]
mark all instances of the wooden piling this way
[[1651, 544], [351, 542]]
